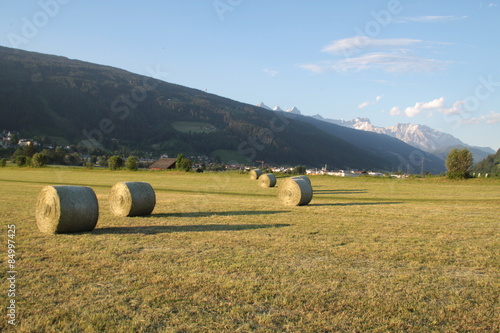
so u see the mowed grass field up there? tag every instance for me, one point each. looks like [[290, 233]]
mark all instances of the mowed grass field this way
[[220, 254]]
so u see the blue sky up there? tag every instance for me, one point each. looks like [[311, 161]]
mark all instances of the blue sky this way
[[393, 61]]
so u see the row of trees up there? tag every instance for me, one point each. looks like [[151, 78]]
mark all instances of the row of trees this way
[[458, 162]]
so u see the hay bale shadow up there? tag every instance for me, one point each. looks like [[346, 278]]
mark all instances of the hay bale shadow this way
[[152, 230]]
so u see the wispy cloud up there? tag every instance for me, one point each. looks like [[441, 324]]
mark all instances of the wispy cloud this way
[[394, 62], [349, 45], [456, 108], [396, 55], [430, 19], [368, 103], [270, 72], [490, 118]]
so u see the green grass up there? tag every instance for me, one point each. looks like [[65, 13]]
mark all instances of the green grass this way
[[220, 254], [193, 127], [229, 156]]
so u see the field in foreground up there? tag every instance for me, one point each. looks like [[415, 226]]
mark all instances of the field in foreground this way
[[220, 254]]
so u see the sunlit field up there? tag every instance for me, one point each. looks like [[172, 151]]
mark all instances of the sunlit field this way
[[220, 254]]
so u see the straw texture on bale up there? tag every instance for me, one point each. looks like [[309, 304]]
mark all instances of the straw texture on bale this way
[[267, 180], [66, 209], [132, 199], [303, 177], [255, 174], [295, 192]]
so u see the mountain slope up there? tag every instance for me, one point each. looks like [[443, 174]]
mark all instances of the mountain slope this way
[[104, 107], [402, 156]]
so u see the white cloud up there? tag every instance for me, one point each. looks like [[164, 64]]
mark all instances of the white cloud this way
[[273, 73], [492, 4], [419, 107], [354, 44], [456, 108], [368, 103], [430, 19], [395, 111]]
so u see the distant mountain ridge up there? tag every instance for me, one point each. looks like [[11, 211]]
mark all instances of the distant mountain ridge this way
[[405, 157], [419, 136], [293, 110]]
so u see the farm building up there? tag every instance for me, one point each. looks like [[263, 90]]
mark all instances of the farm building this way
[[163, 164]]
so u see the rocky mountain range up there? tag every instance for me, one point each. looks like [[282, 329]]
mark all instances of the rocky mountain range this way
[[419, 136]]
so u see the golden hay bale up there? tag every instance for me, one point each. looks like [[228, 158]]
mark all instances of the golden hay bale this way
[[267, 180], [66, 209], [132, 199], [255, 174], [295, 192], [303, 177]]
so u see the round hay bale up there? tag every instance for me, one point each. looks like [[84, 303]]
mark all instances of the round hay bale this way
[[267, 180], [295, 192], [66, 209], [132, 199], [303, 177], [255, 174]]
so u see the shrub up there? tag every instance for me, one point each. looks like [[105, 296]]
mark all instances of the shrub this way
[[115, 163], [38, 160], [3, 162], [132, 163], [22, 161]]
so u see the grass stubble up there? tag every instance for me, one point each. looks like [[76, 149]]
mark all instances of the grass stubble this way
[[220, 254]]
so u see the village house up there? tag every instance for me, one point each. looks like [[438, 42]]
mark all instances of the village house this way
[[164, 164]]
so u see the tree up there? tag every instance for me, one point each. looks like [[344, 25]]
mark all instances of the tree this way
[[458, 163], [115, 162], [22, 160], [3, 162], [489, 166], [183, 163], [102, 161], [29, 150], [132, 163], [38, 160], [178, 161], [299, 170], [73, 159], [186, 164]]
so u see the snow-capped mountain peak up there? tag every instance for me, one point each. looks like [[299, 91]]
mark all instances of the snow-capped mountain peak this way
[[262, 105], [420, 136], [277, 108], [294, 110]]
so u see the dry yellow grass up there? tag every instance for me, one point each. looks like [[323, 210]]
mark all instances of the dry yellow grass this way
[[219, 254]]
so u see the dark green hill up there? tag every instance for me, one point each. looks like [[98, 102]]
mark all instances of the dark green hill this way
[[100, 106]]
